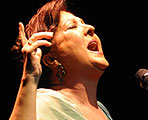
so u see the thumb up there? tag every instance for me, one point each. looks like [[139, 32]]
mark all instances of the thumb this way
[[22, 35]]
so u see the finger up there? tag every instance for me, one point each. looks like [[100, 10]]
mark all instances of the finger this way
[[39, 52], [21, 29], [40, 43], [22, 34], [41, 35], [30, 48], [36, 45]]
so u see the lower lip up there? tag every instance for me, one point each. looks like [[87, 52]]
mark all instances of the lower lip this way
[[97, 52], [100, 53]]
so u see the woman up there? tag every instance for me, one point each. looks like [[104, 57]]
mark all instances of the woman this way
[[75, 59]]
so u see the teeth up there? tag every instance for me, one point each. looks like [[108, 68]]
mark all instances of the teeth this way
[[93, 46]]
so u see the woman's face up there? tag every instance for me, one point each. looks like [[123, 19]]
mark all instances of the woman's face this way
[[77, 46]]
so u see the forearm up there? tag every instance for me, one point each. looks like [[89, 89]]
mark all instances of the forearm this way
[[25, 105]]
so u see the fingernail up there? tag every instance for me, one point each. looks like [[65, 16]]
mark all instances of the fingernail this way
[[20, 23]]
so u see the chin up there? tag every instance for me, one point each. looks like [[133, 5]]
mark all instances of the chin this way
[[101, 63]]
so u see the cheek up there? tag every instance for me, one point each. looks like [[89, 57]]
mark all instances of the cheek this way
[[74, 37], [72, 41], [71, 46]]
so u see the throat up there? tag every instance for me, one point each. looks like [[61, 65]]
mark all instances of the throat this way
[[81, 95]]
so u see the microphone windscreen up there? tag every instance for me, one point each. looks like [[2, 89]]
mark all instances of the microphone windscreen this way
[[142, 78]]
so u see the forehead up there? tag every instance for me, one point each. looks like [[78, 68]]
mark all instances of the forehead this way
[[66, 15]]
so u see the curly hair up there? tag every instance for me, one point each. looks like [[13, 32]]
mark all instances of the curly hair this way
[[46, 20]]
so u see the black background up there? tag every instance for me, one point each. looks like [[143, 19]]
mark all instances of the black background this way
[[122, 28]]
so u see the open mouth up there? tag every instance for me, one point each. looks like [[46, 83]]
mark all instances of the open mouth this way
[[93, 46]]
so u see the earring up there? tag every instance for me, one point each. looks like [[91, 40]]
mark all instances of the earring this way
[[61, 72]]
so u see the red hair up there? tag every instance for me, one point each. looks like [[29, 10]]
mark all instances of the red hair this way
[[46, 19]]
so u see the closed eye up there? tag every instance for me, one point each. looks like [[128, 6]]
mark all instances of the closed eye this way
[[72, 26], [73, 23]]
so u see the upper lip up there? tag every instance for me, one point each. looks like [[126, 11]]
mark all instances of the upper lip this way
[[93, 45]]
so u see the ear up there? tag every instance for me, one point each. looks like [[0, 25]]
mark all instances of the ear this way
[[49, 60]]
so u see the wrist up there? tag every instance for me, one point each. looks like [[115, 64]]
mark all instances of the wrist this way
[[29, 79]]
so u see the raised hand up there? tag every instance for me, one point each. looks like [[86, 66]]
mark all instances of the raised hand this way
[[31, 51]]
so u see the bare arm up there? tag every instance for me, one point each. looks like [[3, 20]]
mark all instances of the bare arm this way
[[25, 105]]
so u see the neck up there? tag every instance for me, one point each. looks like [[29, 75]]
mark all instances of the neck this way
[[81, 90], [84, 93]]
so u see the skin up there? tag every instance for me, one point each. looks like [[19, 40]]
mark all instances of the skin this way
[[74, 45], [83, 67]]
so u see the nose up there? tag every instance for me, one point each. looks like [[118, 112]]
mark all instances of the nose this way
[[89, 30]]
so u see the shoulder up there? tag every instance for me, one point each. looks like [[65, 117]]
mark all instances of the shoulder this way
[[46, 104], [104, 109], [52, 105], [48, 97]]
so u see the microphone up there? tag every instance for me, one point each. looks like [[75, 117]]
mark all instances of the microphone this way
[[142, 78]]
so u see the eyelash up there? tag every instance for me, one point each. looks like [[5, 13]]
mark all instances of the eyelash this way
[[72, 26]]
